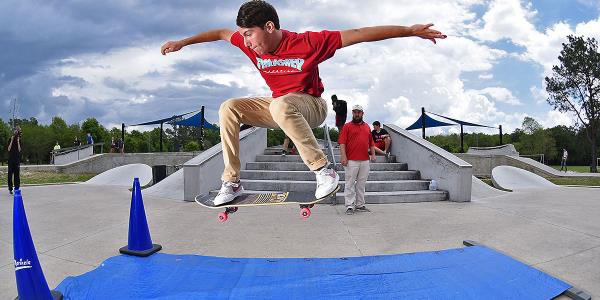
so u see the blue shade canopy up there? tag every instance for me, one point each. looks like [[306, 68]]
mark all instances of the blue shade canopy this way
[[165, 120], [195, 121], [462, 122], [429, 122]]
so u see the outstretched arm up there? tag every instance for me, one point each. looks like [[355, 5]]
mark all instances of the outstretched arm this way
[[378, 33], [203, 37]]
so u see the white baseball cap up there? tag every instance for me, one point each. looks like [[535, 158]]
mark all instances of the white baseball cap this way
[[357, 107]]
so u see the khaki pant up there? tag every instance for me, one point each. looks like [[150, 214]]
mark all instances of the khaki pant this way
[[357, 172], [296, 114]]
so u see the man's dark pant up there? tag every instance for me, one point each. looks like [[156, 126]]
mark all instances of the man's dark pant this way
[[13, 169]]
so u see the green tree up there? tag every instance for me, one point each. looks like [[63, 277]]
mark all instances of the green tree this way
[[536, 140], [574, 87], [191, 146], [91, 125], [530, 125]]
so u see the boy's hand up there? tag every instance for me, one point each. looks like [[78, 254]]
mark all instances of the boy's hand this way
[[425, 32], [171, 46]]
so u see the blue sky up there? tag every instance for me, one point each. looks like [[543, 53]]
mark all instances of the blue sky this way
[[80, 59]]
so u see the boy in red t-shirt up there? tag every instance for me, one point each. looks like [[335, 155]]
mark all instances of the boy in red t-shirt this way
[[288, 62]]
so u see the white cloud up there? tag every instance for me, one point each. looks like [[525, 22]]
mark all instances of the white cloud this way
[[555, 118], [538, 94], [400, 111], [392, 79], [501, 94], [486, 76], [512, 20]]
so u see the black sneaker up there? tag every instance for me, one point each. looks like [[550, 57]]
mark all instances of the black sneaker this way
[[10, 191], [349, 211], [283, 153], [362, 209]]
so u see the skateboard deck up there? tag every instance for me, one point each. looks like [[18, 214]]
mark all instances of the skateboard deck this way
[[306, 200]]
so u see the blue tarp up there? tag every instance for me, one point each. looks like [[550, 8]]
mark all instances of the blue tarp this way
[[429, 122], [465, 273], [195, 121]]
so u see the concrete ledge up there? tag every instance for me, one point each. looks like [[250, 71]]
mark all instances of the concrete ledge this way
[[103, 162], [203, 173], [451, 173], [484, 164]]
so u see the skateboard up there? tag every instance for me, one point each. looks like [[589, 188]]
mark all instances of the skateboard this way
[[306, 200]]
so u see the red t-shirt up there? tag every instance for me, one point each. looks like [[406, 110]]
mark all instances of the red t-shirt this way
[[358, 140], [293, 67]]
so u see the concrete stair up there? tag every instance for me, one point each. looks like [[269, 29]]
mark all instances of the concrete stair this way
[[299, 166], [388, 182], [310, 176]]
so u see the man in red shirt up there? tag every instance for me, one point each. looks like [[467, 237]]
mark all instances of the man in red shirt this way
[[288, 62], [355, 143]]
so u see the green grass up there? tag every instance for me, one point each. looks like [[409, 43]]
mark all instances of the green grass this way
[[487, 180], [576, 181], [578, 169], [46, 177]]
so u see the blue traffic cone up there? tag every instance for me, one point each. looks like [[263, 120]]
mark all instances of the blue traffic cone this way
[[31, 283], [140, 243]]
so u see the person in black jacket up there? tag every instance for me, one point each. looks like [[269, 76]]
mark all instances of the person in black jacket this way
[[341, 111], [14, 160]]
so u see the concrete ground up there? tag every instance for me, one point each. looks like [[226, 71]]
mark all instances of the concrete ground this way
[[76, 227]]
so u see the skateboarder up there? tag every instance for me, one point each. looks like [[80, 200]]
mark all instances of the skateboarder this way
[[288, 62]]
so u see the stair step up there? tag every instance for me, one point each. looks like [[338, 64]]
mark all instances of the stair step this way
[[310, 176], [307, 186], [399, 197], [298, 166], [277, 151], [297, 158], [382, 197]]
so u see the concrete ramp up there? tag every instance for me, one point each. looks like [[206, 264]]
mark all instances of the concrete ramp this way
[[515, 179], [123, 176], [508, 149], [170, 187], [481, 190]]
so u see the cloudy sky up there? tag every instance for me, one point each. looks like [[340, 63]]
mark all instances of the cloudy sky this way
[[80, 59]]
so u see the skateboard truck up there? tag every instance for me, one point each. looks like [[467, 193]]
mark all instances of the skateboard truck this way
[[224, 215], [305, 210]]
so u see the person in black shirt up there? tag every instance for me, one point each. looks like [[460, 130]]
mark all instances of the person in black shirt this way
[[341, 111], [382, 139], [14, 160]]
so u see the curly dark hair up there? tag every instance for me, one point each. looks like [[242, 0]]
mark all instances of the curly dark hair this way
[[256, 13]]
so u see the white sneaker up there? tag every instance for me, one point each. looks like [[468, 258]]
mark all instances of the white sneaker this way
[[228, 192], [327, 182]]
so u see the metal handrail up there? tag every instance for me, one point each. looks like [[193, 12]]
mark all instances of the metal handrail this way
[[329, 147]]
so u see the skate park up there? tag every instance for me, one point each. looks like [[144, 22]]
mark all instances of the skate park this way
[[78, 230], [466, 211]]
